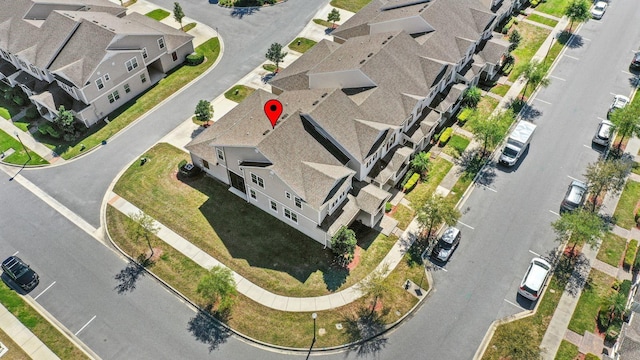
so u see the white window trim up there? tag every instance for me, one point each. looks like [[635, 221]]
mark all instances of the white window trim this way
[[106, 77], [161, 43], [99, 80], [253, 193], [258, 180], [295, 202], [144, 53], [134, 64], [220, 154], [292, 214], [271, 203], [287, 195]]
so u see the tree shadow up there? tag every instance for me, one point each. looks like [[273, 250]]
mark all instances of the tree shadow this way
[[529, 113], [209, 330], [487, 175], [571, 42], [197, 132], [571, 270], [128, 277], [335, 277], [365, 329], [240, 12], [471, 162]]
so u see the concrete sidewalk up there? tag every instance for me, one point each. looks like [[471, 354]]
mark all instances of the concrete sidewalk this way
[[23, 337]]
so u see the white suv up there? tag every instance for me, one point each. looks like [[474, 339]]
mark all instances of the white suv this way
[[535, 278]]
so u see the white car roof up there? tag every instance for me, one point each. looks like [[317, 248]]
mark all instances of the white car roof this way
[[620, 101], [538, 273]]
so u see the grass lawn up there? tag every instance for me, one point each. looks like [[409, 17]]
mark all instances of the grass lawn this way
[[19, 157], [38, 325], [532, 38], [189, 26], [5, 113], [350, 5], [22, 124], [158, 14], [542, 20], [488, 104], [628, 199], [596, 290], [612, 249], [500, 89], [567, 351], [269, 67], [438, 169], [530, 329], [324, 23], [456, 145], [135, 108], [404, 215], [257, 321], [264, 250], [238, 93], [553, 7], [636, 168], [301, 44], [15, 352]]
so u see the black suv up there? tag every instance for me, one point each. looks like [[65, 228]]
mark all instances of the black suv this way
[[20, 273], [635, 62]]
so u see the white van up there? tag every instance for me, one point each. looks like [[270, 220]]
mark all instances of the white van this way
[[535, 278]]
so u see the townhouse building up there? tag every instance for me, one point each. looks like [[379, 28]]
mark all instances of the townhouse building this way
[[355, 110], [86, 55]]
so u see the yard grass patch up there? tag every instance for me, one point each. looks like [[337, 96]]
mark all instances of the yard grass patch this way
[[254, 320], [595, 292], [500, 89], [158, 14], [487, 104], [22, 124], [542, 20], [238, 93], [350, 5], [532, 37], [553, 7], [624, 214], [19, 157], [324, 23], [612, 249], [5, 113], [404, 215], [438, 169], [301, 44], [636, 168], [456, 145], [567, 351], [189, 26]]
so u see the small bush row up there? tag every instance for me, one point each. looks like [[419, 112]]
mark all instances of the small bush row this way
[[630, 254], [446, 135], [47, 128], [464, 114], [407, 176], [413, 180], [509, 24], [195, 59]]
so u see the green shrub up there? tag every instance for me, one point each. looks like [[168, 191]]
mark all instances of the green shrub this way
[[534, 3], [19, 100], [610, 336], [47, 128], [464, 114], [407, 176], [32, 112], [413, 180], [636, 263], [436, 137], [181, 164], [388, 207], [509, 24], [446, 135], [195, 59], [630, 254], [625, 287]]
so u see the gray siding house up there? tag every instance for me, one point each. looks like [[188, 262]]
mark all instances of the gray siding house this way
[[355, 112], [86, 55]]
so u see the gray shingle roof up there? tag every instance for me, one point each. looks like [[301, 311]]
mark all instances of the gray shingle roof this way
[[370, 198], [294, 76], [174, 38], [341, 216]]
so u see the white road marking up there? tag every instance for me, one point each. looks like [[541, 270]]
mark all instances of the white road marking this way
[[542, 101], [15, 253], [557, 78], [601, 119], [85, 325], [461, 223], [534, 253], [36, 298], [572, 178], [587, 146], [626, 72], [613, 94], [571, 57], [584, 38], [514, 304], [554, 213], [486, 187]]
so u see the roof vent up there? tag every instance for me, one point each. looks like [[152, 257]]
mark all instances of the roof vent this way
[[315, 103], [362, 61], [390, 37], [384, 42], [323, 95], [370, 55], [283, 117], [266, 132], [95, 21]]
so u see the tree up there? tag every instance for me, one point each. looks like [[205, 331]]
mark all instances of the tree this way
[[420, 162], [141, 226], [178, 14], [204, 110], [534, 72], [334, 15], [219, 287], [65, 121], [579, 226], [627, 121], [616, 304], [275, 54], [490, 128], [436, 210], [514, 39], [606, 175], [375, 285], [577, 10], [471, 96], [343, 243]]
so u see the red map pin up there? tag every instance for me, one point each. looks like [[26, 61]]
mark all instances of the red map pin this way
[[273, 110]]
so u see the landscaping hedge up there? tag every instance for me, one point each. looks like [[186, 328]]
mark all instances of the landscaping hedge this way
[[625, 287], [636, 263], [446, 135], [47, 128], [464, 114], [411, 183], [195, 59], [388, 207], [591, 356], [407, 176], [630, 254]]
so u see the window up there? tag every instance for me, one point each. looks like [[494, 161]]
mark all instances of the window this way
[[143, 78], [287, 194], [144, 53], [113, 96], [252, 193], [220, 154], [257, 180], [298, 202], [127, 89], [205, 164], [161, 43], [99, 84], [174, 56], [107, 77], [131, 64], [291, 215], [274, 206]]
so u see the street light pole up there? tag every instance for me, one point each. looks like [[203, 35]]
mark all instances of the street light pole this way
[[23, 147], [313, 316]]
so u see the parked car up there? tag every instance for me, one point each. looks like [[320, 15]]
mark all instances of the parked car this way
[[190, 170], [20, 273], [635, 62], [575, 196], [619, 102], [535, 278], [598, 9], [603, 133], [447, 243]]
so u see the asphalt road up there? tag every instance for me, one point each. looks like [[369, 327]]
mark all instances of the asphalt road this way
[[505, 220]]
